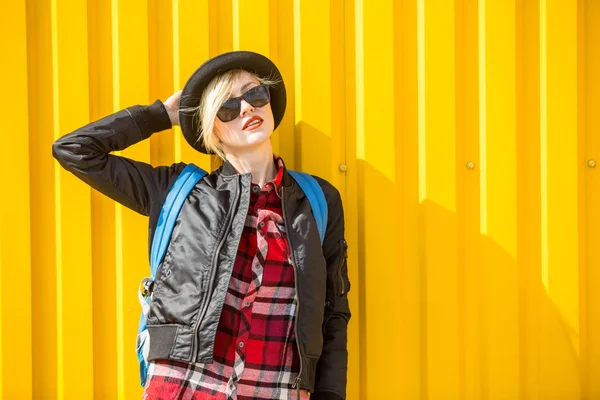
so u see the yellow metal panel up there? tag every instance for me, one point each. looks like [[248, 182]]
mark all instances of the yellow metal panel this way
[[72, 206], [468, 132], [589, 191], [2, 263], [356, 348], [470, 312], [529, 256], [314, 75], [15, 250], [130, 69], [337, 72], [103, 210], [282, 52], [376, 191], [190, 50], [43, 236], [161, 64], [559, 154], [437, 230], [222, 26], [251, 25], [252, 36], [499, 242], [406, 187]]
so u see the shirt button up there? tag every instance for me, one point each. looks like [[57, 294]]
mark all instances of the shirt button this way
[[255, 189], [261, 224], [241, 345], [247, 304]]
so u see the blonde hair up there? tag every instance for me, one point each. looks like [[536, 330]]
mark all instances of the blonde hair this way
[[214, 95]]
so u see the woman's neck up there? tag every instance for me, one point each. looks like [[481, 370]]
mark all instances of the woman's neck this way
[[258, 162]]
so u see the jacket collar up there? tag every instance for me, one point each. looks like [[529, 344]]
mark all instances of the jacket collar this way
[[229, 170]]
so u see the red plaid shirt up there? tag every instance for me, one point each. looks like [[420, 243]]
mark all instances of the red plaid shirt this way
[[256, 355]]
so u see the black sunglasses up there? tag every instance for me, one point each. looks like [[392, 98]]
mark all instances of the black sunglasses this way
[[258, 96]]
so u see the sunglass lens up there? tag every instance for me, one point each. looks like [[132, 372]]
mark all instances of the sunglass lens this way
[[229, 110], [258, 96]]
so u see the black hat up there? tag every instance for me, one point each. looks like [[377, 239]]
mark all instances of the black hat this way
[[247, 60]]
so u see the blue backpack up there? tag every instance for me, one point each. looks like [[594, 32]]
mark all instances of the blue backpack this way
[[184, 184]]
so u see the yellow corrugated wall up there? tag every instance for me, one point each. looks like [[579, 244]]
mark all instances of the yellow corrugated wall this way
[[464, 136]]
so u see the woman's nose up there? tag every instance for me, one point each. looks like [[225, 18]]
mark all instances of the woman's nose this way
[[245, 107]]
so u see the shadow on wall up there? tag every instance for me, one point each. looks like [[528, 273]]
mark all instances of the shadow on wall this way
[[485, 328]]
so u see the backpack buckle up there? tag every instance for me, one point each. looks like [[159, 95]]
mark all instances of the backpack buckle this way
[[146, 287]]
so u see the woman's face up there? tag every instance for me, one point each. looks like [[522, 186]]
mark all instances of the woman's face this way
[[239, 134]]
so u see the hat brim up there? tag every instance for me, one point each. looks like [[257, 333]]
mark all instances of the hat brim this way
[[192, 91]]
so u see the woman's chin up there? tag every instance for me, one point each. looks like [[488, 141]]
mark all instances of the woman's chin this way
[[253, 140], [257, 136]]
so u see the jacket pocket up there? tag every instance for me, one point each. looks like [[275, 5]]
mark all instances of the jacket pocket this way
[[343, 284]]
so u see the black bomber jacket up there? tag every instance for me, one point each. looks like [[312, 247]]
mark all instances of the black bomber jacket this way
[[192, 280]]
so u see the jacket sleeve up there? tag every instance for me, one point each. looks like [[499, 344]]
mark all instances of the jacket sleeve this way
[[331, 374], [85, 153]]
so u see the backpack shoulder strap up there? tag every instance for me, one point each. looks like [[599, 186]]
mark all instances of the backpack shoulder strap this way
[[187, 179], [316, 197]]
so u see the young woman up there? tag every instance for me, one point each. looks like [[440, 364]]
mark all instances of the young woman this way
[[247, 303]]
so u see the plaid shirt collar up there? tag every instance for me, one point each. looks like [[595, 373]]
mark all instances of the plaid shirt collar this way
[[275, 182]]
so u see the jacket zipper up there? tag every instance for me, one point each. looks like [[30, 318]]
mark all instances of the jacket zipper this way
[[339, 274], [341, 264], [296, 384], [193, 355]]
